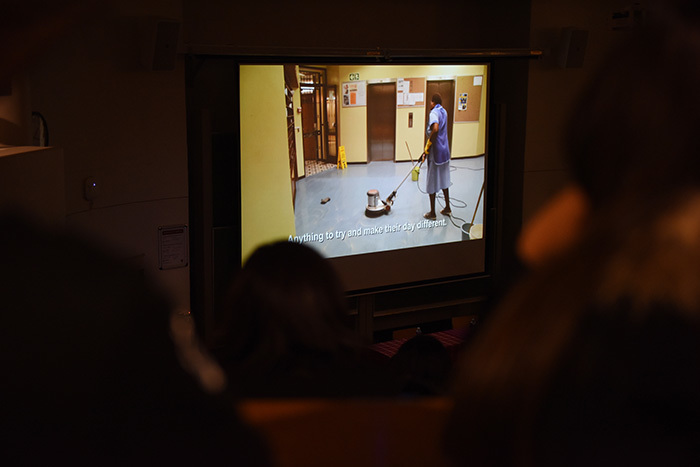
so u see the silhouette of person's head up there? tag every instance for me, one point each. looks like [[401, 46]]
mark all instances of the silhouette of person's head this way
[[286, 303], [425, 365]]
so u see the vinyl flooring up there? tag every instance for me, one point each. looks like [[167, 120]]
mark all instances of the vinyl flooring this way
[[340, 227]]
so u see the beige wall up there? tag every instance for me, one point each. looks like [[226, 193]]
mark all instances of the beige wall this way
[[267, 212]]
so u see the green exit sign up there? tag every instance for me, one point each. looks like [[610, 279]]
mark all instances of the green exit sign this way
[[354, 77]]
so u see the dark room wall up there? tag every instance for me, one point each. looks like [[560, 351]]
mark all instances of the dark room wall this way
[[361, 24]]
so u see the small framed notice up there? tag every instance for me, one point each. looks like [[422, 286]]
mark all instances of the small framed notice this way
[[354, 93], [172, 247]]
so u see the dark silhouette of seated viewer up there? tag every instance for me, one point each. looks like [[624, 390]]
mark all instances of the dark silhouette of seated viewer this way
[[90, 374], [594, 358], [423, 365], [286, 331]]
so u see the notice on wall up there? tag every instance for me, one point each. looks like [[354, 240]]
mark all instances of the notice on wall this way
[[410, 92], [462, 102], [354, 93], [172, 247]]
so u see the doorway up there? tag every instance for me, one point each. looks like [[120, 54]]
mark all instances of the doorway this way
[[318, 116], [291, 83], [446, 89], [332, 123], [381, 122]]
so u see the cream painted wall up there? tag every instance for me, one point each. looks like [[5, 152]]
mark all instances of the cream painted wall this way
[[353, 133], [415, 136], [125, 125], [333, 75], [267, 212], [468, 139]]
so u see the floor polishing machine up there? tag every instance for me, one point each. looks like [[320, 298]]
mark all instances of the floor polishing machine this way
[[377, 206]]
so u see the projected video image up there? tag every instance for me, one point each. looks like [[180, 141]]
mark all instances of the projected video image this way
[[333, 156]]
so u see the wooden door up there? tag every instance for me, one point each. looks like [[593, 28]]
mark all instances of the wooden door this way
[[446, 89], [308, 126], [332, 124]]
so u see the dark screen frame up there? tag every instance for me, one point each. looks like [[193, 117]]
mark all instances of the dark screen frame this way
[[382, 302]]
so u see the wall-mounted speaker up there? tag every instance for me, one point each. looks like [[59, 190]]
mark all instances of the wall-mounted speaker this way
[[572, 47], [160, 39]]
